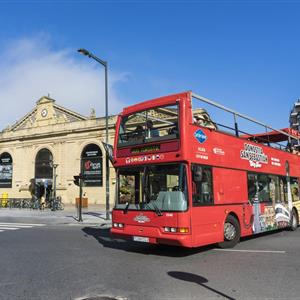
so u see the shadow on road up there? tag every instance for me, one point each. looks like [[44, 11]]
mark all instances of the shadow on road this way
[[190, 277], [104, 237], [94, 214]]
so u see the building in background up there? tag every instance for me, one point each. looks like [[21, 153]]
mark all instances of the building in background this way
[[295, 121], [51, 140], [295, 116]]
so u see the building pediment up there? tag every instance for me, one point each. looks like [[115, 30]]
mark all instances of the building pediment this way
[[46, 112], [45, 100]]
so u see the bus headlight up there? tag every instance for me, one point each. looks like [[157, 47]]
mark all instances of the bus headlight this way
[[176, 229], [118, 225]]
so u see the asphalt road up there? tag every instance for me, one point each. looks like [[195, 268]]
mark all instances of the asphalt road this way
[[75, 262]]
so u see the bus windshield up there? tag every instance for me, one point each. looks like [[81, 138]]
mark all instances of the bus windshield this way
[[160, 123], [153, 187]]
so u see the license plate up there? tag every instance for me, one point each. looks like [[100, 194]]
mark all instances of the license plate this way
[[141, 239]]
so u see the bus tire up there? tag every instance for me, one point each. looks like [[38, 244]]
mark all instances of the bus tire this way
[[232, 233], [294, 220]]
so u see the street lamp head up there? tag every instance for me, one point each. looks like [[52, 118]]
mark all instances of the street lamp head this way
[[90, 55], [84, 52]]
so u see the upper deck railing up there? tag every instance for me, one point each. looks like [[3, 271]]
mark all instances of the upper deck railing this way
[[264, 138], [163, 116]]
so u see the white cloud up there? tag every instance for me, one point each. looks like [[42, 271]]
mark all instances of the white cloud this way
[[30, 69]]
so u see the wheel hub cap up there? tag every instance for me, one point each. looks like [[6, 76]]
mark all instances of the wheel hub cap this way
[[229, 232]]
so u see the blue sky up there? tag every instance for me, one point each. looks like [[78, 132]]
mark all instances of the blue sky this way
[[243, 54]]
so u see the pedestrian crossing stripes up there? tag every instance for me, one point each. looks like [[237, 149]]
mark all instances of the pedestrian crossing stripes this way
[[15, 226]]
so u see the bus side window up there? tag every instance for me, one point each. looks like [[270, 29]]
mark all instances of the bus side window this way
[[274, 188], [283, 189], [263, 188], [294, 189], [202, 185], [251, 187]]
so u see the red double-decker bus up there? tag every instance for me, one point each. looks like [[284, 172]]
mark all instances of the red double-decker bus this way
[[184, 179]]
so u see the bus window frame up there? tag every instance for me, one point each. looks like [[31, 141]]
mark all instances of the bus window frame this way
[[281, 193], [207, 167], [186, 192], [118, 190], [168, 137]]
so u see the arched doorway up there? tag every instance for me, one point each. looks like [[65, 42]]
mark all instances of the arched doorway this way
[[43, 173], [91, 165], [6, 170]]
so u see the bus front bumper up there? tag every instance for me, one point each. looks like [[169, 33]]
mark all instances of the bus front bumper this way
[[152, 235]]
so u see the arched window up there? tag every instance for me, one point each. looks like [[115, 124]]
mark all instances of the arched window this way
[[6, 170], [91, 165], [43, 164]]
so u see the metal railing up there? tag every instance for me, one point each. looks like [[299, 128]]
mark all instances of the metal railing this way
[[237, 131]]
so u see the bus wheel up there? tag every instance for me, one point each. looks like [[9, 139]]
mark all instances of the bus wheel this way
[[232, 233], [294, 221]]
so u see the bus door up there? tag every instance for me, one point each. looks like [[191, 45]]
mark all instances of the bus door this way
[[205, 218]]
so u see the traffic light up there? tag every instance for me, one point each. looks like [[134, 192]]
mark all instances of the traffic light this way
[[76, 180]]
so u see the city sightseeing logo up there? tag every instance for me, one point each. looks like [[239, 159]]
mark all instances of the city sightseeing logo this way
[[200, 136], [254, 154], [141, 219]]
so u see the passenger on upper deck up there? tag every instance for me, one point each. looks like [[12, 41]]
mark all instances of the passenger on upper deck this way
[[174, 129], [151, 132], [202, 118], [293, 149], [137, 134]]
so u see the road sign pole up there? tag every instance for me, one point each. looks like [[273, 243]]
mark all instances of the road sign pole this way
[[80, 199]]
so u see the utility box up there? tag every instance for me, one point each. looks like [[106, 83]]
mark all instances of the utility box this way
[[84, 202]]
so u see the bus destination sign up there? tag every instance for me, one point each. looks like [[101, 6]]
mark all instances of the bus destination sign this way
[[145, 149]]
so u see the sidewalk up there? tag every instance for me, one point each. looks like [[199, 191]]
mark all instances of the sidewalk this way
[[93, 215]]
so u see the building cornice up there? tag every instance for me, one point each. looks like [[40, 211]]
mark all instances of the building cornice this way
[[56, 130]]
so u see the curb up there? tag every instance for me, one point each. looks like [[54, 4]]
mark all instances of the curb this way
[[65, 218]]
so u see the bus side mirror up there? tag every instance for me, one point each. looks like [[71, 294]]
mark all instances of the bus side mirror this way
[[197, 173]]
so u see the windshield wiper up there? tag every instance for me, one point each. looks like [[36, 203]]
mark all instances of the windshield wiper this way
[[156, 208], [126, 208]]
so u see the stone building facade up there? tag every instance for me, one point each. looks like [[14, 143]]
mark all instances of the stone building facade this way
[[295, 116], [52, 140]]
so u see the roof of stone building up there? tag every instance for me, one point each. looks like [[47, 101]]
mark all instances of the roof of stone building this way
[[46, 112]]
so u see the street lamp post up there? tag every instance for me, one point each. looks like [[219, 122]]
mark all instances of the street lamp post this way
[[104, 64]]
